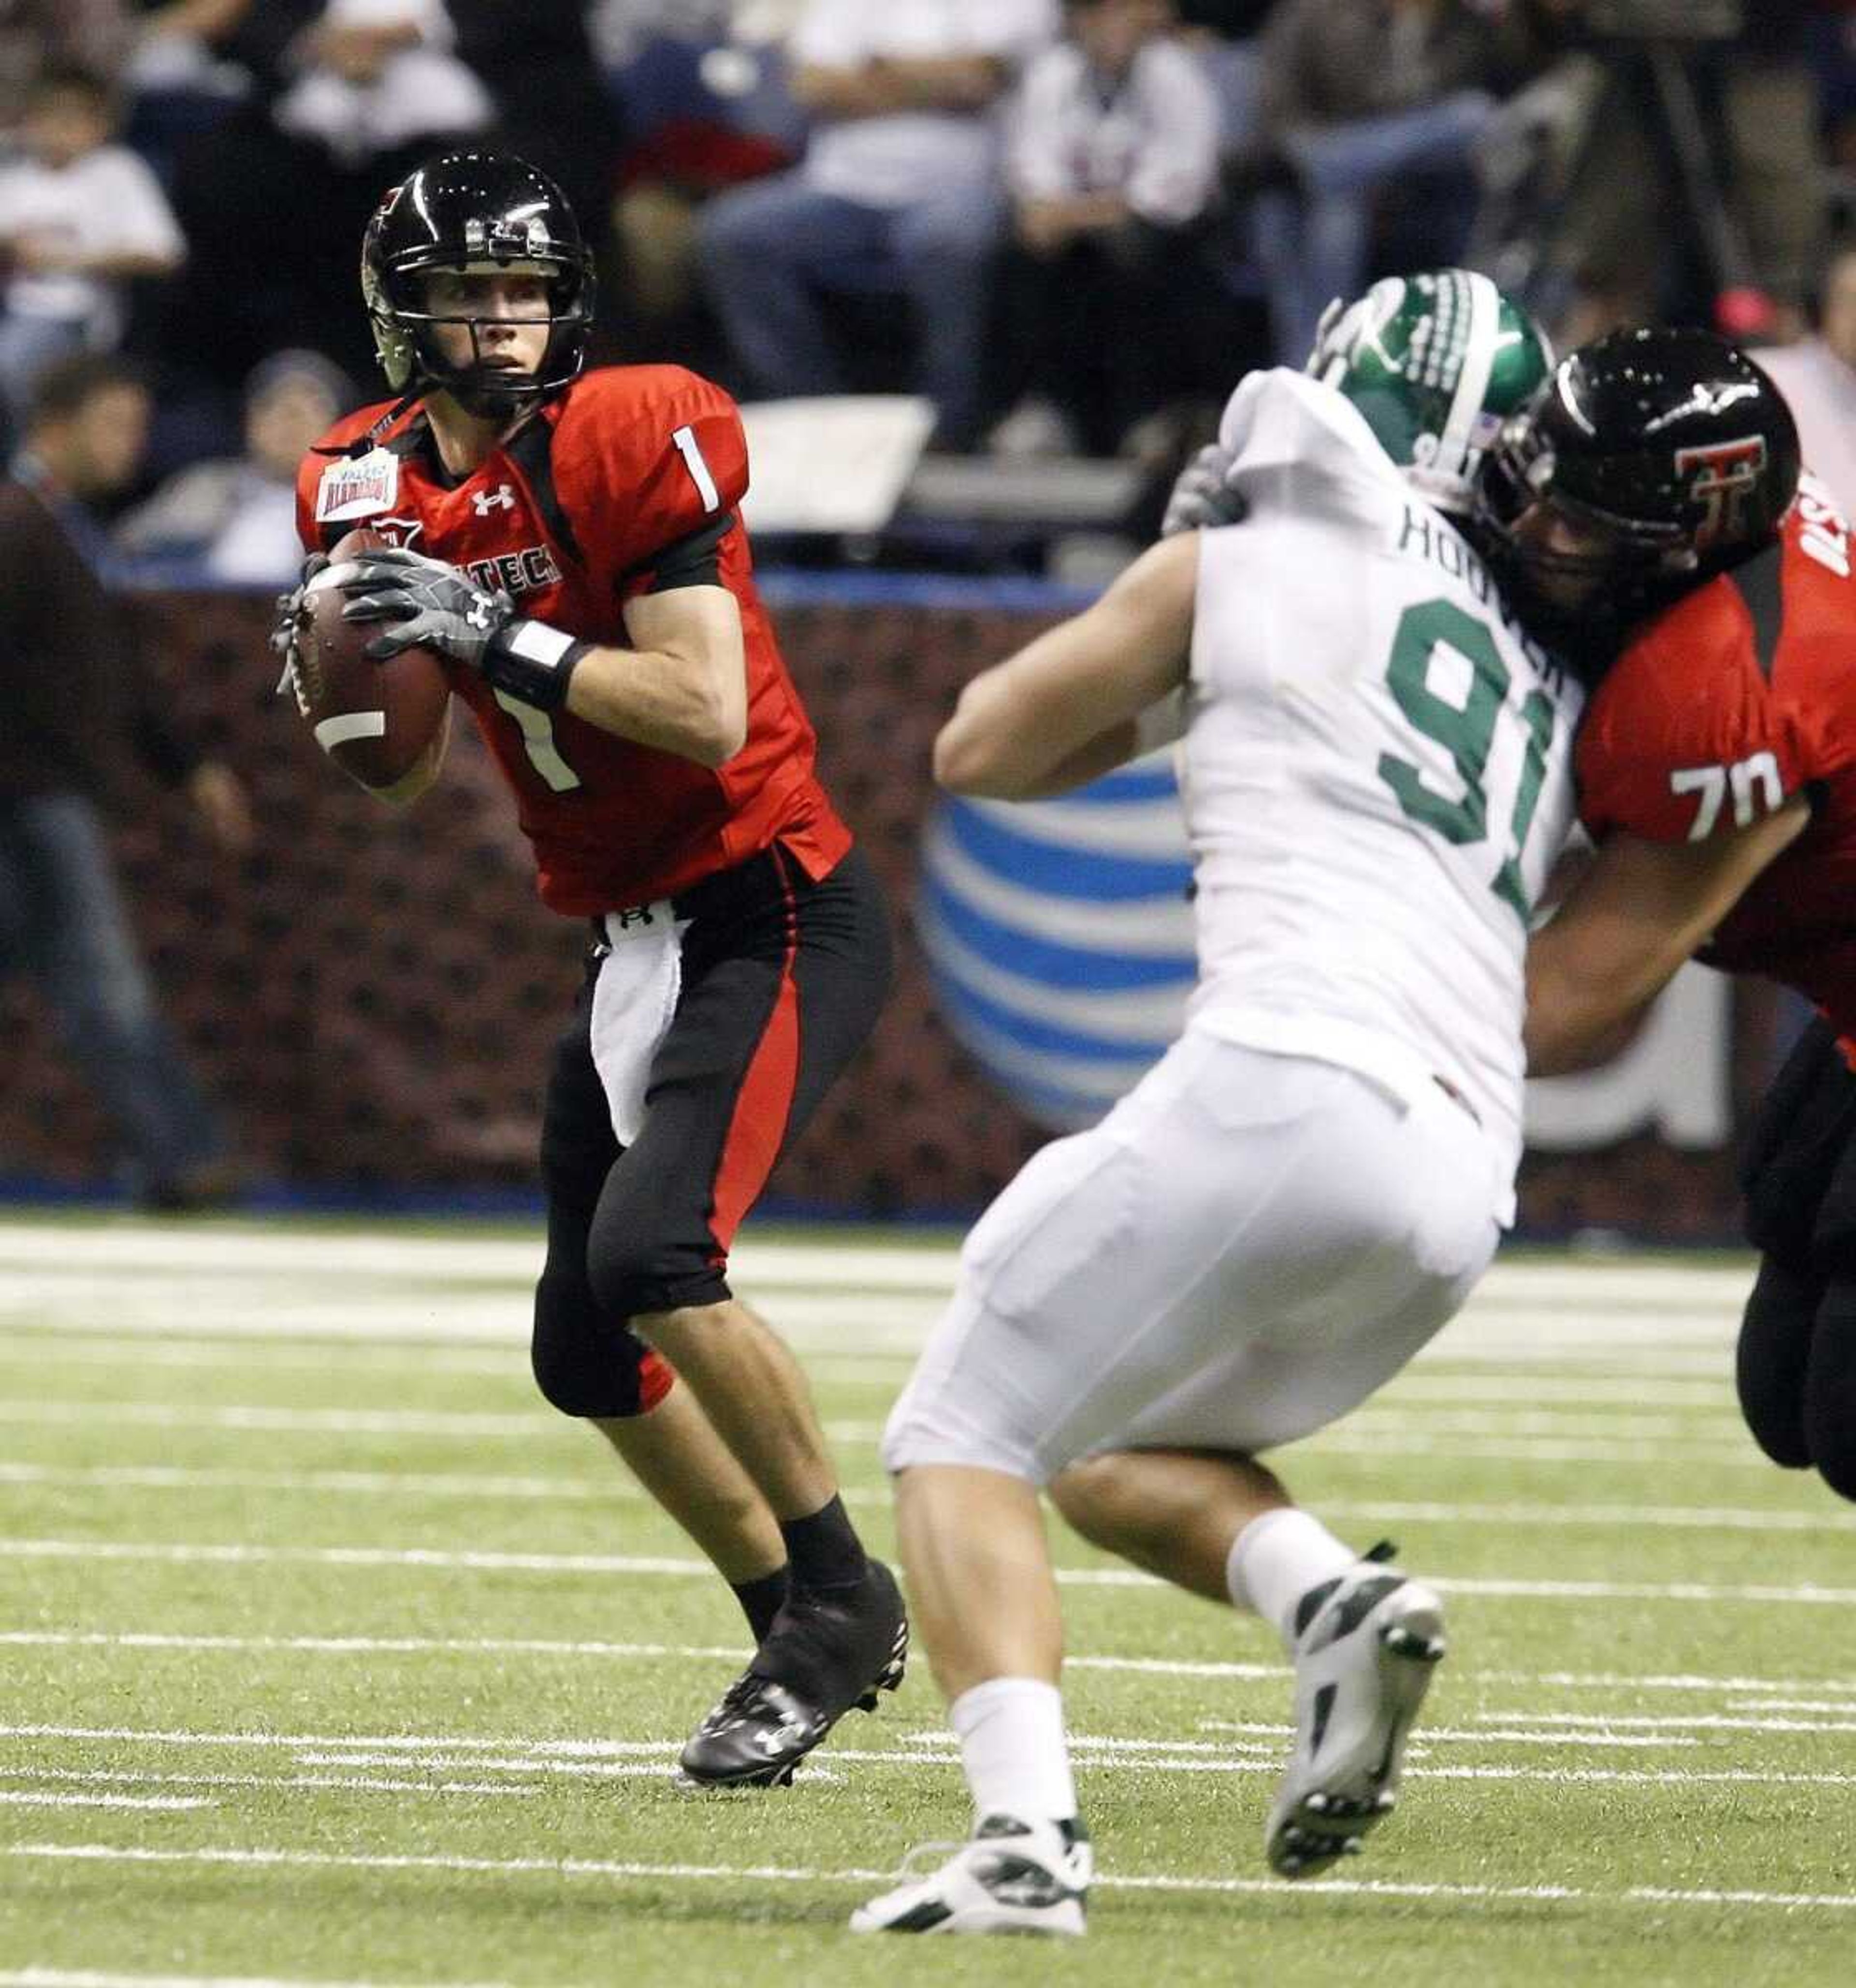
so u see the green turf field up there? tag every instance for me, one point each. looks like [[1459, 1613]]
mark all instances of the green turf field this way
[[331, 1655]]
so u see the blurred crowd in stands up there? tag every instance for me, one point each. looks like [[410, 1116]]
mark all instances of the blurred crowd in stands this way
[[1071, 224]]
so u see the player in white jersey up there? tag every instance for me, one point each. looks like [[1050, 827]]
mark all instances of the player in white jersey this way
[[1304, 1189]]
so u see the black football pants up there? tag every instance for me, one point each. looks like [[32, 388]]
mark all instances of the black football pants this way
[[783, 977], [1796, 1366]]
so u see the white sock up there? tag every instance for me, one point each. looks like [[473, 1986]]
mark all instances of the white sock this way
[[1011, 1731], [1276, 1560]]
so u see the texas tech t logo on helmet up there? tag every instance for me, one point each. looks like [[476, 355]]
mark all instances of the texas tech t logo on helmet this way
[[1721, 477]]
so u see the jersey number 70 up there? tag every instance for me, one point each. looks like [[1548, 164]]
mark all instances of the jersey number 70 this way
[[1467, 733]]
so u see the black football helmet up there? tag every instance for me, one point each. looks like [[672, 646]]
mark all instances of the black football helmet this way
[[1670, 451], [474, 211]]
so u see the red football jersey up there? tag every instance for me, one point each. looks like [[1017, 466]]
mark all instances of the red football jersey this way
[[1719, 711], [632, 469]]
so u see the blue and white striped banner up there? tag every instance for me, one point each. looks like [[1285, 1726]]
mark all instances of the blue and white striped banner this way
[[1060, 937]]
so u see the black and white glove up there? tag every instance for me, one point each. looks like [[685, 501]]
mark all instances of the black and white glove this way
[[1201, 497], [288, 626], [433, 605]]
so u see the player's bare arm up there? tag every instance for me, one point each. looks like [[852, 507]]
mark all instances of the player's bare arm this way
[[1636, 914], [683, 688], [885, 86], [1066, 709]]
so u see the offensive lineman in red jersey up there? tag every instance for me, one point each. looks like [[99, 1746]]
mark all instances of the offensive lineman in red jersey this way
[[568, 543], [1650, 505]]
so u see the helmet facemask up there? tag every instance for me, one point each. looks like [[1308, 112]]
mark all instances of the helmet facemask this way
[[406, 334], [1667, 446], [1624, 564]]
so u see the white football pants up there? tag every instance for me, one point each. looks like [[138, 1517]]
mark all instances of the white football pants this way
[[1243, 1250]]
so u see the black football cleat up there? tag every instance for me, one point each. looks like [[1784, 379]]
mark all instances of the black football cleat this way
[[825, 1655]]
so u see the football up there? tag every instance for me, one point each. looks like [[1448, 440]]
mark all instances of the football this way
[[373, 719]]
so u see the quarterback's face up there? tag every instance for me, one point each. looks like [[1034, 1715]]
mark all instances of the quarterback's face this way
[[504, 318]]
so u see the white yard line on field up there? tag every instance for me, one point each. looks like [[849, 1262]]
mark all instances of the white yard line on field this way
[[28, 1798], [1321, 1891], [1794, 1704], [1620, 1722], [369, 1646], [367, 1336], [1734, 1453], [106, 1345], [282, 1422], [1232, 1671], [612, 1486], [1253, 1745], [83, 1977], [293, 1252], [1392, 1436], [360, 1783], [1642, 1434], [1543, 1308], [1807, 1595]]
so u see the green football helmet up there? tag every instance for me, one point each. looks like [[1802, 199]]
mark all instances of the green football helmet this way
[[1436, 363]]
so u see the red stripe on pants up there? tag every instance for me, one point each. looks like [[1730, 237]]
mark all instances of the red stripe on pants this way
[[766, 1100], [656, 1376]]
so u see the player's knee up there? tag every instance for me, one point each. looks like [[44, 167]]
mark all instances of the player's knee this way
[[623, 1272], [1776, 1423], [584, 1364], [1096, 1498], [1829, 1392], [1776, 1336], [1837, 1466], [643, 1262]]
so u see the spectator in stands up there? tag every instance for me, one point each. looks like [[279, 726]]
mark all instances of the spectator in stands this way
[[1357, 96], [899, 190], [349, 95], [701, 86], [235, 517], [549, 102], [1817, 376], [79, 216], [378, 76], [1112, 165], [72, 698], [36, 35], [180, 78], [1228, 20]]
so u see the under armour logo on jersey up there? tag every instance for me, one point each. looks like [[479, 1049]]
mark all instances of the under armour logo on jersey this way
[[502, 498], [1723, 475], [633, 915]]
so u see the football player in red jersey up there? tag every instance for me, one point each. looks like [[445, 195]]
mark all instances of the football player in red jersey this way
[[568, 543], [1650, 508]]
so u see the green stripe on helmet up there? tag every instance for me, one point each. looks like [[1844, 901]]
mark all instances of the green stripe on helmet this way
[[1434, 362]]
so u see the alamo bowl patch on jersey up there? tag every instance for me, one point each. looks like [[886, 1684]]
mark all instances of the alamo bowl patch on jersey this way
[[1059, 937]]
